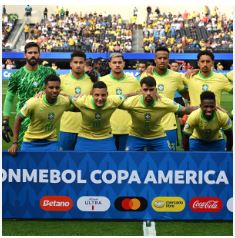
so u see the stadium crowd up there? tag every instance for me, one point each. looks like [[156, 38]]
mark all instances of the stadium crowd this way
[[188, 30], [91, 32], [8, 23]]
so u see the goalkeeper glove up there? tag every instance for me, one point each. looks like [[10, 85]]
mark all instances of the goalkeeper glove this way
[[6, 131]]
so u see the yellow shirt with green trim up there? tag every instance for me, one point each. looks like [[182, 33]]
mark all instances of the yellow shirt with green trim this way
[[198, 127], [71, 121], [167, 85], [96, 120], [121, 120], [147, 120], [44, 117], [215, 82], [229, 75]]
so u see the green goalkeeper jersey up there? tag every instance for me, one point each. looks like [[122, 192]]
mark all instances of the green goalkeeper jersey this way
[[27, 83]]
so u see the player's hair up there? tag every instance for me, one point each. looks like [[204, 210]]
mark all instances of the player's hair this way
[[116, 54], [207, 95], [30, 45], [205, 52], [149, 81], [99, 84], [162, 48], [78, 54], [51, 77]]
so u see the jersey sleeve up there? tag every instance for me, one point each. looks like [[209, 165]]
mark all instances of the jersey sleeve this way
[[79, 101], [226, 122], [228, 86], [117, 100], [189, 125], [127, 104], [27, 109], [13, 83], [181, 87]]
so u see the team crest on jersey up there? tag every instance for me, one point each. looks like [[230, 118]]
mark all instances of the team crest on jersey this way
[[187, 126], [78, 90], [97, 116], [147, 116], [205, 87], [118, 91], [51, 116], [160, 87]]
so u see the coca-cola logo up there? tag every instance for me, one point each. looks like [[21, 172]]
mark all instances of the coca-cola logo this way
[[206, 204]]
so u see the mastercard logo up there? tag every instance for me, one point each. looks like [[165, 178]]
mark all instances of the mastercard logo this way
[[130, 204]]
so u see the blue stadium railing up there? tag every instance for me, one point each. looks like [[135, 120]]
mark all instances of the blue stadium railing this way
[[127, 56]]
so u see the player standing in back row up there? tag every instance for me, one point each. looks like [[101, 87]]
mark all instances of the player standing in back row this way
[[25, 82], [119, 83]]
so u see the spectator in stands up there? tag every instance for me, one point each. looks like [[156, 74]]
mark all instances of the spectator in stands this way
[[4, 11], [28, 11], [25, 82], [26, 31], [45, 12], [119, 83], [9, 64], [204, 127]]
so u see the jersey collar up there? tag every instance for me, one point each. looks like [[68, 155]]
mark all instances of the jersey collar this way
[[202, 76], [73, 77], [122, 78], [45, 100], [155, 73]]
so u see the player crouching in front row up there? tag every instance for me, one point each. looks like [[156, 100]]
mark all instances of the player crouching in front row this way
[[204, 125], [44, 113]]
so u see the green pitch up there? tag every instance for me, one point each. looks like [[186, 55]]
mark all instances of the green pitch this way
[[14, 227]]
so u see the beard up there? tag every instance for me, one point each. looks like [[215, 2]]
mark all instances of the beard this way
[[32, 61]]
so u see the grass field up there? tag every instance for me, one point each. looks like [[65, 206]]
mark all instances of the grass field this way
[[13, 227]]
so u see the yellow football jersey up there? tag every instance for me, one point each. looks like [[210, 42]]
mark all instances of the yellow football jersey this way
[[215, 83], [96, 120], [121, 120], [70, 121], [200, 128], [167, 85], [147, 120], [229, 75], [44, 117]]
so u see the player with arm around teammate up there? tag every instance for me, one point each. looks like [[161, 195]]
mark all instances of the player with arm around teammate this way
[[147, 111], [44, 113], [96, 110], [202, 130]]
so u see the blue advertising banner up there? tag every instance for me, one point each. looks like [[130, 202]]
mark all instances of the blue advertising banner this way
[[127, 56], [118, 185]]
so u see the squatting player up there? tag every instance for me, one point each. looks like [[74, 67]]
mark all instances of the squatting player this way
[[44, 114], [202, 130], [25, 82], [147, 111], [96, 110]]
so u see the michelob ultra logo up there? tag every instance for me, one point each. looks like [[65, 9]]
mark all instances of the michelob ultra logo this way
[[168, 204], [130, 204]]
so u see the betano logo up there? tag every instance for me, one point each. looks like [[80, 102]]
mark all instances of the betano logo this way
[[56, 203], [93, 204], [130, 204], [168, 204]]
